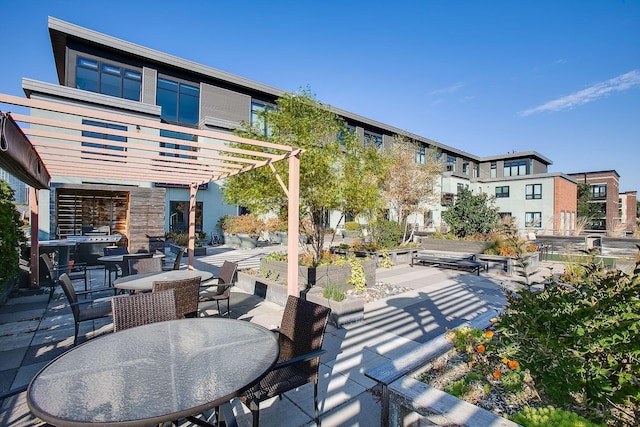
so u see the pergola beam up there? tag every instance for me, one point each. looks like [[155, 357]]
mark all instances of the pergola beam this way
[[70, 148]]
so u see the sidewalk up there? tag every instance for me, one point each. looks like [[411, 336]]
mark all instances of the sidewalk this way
[[33, 332]]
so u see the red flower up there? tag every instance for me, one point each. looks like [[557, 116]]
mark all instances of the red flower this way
[[497, 374], [480, 348]]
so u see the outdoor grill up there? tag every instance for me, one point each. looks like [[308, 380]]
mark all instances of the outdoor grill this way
[[90, 245]]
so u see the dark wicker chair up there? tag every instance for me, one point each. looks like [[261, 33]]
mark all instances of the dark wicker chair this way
[[113, 266], [177, 261], [226, 280], [141, 309], [85, 310], [74, 272], [186, 294], [301, 334], [127, 257], [144, 265]]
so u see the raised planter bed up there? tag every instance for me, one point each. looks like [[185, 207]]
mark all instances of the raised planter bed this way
[[336, 275], [346, 312], [467, 246], [397, 256], [270, 290], [407, 401]]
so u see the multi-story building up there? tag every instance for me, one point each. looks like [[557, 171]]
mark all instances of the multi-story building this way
[[616, 211], [100, 72]]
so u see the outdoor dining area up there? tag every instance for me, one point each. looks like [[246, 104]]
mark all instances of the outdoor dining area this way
[[163, 359]]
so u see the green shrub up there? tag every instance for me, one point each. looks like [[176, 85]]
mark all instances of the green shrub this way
[[11, 236], [333, 292], [580, 341], [550, 416], [352, 226], [387, 234]]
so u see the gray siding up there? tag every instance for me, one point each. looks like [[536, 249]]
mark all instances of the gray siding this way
[[224, 104], [149, 85]]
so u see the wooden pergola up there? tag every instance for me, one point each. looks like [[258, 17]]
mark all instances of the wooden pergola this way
[[55, 133]]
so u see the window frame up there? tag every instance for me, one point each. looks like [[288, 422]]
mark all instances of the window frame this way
[[533, 219], [181, 95], [530, 192], [502, 194], [102, 69]]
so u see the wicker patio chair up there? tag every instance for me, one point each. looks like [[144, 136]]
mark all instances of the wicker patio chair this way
[[141, 309], [177, 261], [186, 294], [74, 272], [222, 291], [113, 266], [144, 265], [301, 334], [127, 257], [85, 310]]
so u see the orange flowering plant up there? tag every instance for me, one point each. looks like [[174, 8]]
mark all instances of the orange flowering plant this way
[[488, 359]]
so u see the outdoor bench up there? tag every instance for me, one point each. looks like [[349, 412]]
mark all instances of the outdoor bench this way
[[440, 261]]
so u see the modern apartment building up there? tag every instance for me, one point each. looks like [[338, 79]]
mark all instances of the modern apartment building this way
[[616, 211], [100, 72]]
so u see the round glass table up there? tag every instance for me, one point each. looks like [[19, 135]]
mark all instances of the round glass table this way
[[153, 373]]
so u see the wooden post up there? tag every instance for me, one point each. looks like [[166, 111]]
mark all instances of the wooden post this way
[[292, 234], [34, 254], [193, 190]]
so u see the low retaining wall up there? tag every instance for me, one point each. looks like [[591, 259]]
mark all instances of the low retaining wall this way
[[397, 256], [349, 311], [336, 275], [407, 401], [268, 289]]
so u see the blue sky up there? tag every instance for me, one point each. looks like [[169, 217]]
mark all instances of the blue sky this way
[[487, 77]]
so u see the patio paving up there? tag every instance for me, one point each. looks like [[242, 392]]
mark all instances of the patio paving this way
[[33, 331]]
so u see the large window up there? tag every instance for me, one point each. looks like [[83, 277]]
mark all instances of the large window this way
[[502, 191], [599, 191], [533, 219], [374, 139], [515, 168], [533, 191], [451, 164], [177, 135], [179, 216], [420, 155], [257, 118], [179, 101], [108, 79], [105, 137]]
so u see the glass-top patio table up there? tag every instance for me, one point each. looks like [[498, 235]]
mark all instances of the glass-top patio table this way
[[144, 281], [154, 373]]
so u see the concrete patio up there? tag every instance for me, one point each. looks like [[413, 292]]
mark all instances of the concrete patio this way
[[32, 332]]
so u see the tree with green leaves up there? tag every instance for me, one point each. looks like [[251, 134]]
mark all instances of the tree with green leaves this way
[[586, 209], [472, 214], [409, 185], [337, 172], [11, 236]]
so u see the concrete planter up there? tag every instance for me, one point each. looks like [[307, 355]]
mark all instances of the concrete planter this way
[[336, 275], [407, 401], [248, 242], [346, 312], [467, 246], [270, 290], [397, 256]]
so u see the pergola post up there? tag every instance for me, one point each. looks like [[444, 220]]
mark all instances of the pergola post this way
[[193, 190], [292, 234], [34, 256]]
